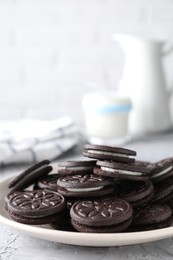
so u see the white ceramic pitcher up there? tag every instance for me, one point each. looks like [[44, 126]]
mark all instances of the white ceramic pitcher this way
[[144, 82]]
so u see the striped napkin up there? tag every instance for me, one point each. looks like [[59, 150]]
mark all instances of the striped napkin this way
[[30, 141]]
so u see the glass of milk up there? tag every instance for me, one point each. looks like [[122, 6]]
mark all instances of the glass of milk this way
[[106, 117]]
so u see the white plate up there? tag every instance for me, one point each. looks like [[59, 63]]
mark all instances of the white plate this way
[[83, 239]]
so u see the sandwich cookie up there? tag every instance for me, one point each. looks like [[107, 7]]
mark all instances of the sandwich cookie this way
[[48, 182], [9, 196], [76, 167], [137, 193], [163, 191], [117, 154], [151, 217], [30, 176], [64, 224], [170, 204], [146, 164], [162, 170], [37, 207], [122, 170], [106, 215], [87, 185]]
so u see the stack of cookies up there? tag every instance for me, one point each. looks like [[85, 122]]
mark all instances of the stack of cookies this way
[[108, 192]]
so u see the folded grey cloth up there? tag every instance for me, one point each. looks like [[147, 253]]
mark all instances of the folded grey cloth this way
[[29, 141]]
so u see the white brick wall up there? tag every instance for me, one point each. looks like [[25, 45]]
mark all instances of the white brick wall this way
[[50, 49]]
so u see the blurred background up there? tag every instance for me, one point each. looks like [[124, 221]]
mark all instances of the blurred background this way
[[50, 51]]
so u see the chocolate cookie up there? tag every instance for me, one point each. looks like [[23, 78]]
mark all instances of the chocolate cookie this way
[[57, 217], [163, 191], [30, 176], [117, 154], [170, 204], [49, 182], [38, 205], [122, 170], [152, 217], [137, 193], [162, 170], [144, 164], [104, 215], [9, 196], [85, 185], [64, 224], [76, 167]]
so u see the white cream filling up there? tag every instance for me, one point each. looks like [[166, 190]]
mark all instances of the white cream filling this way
[[109, 153], [76, 168], [84, 189], [121, 171], [162, 172]]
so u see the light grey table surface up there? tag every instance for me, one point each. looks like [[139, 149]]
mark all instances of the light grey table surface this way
[[16, 245]]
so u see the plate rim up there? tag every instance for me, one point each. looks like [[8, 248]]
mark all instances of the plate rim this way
[[79, 238]]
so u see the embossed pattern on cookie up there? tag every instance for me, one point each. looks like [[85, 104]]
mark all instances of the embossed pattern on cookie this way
[[37, 203]]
